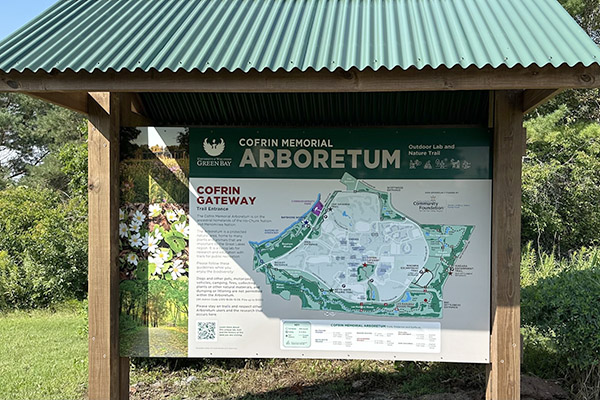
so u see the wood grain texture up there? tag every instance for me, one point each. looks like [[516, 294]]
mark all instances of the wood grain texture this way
[[103, 276], [412, 79], [137, 104], [504, 371], [535, 97], [124, 370], [74, 101]]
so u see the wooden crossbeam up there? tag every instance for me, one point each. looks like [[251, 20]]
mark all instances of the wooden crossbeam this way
[[135, 115], [75, 101], [535, 97], [131, 113], [412, 79]]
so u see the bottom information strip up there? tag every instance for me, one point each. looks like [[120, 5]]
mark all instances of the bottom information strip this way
[[409, 337]]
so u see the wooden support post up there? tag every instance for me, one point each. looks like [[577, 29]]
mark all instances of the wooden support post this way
[[124, 380], [105, 375], [504, 371]]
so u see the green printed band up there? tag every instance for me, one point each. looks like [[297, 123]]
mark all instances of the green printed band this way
[[366, 153]]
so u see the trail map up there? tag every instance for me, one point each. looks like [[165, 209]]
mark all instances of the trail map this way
[[353, 252]]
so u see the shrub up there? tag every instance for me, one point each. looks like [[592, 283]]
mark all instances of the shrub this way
[[24, 285], [43, 241], [561, 316]]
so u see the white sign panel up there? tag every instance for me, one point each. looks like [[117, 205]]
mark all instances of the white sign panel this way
[[371, 244]]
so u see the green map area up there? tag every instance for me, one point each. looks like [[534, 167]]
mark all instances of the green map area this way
[[355, 253]]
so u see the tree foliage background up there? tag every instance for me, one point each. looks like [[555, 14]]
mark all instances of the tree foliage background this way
[[561, 171], [561, 233], [43, 203], [561, 184]]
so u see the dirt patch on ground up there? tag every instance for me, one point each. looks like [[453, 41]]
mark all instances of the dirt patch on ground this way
[[177, 386], [534, 388]]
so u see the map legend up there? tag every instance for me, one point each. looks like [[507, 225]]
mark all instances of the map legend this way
[[405, 337]]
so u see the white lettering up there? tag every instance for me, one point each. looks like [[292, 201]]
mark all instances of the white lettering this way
[[307, 158], [354, 154], [388, 158], [321, 157], [284, 158], [265, 158], [375, 163], [337, 159], [248, 159]]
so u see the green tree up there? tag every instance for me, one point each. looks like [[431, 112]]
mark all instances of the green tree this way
[[583, 105], [73, 158], [183, 139], [587, 15], [561, 184], [31, 133], [127, 148]]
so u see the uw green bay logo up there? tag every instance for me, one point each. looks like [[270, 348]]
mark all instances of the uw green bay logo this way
[[213, 148]]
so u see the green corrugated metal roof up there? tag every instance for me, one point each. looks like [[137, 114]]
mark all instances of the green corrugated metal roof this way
[[244, 35], [318, 109]]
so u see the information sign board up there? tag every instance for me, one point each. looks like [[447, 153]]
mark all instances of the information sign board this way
[[340, 243]]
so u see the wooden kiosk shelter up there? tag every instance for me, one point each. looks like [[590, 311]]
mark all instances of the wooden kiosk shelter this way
[[127, 63]]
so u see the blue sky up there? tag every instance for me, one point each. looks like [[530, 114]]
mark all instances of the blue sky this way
[[16, 13]]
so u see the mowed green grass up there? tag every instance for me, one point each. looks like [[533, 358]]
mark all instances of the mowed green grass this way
[[43, 355]]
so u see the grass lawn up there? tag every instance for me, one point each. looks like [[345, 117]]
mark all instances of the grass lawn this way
[[42, 355]]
